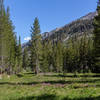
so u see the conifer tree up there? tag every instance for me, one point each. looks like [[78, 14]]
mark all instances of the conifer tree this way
[[50, 55], [19, 54], [59, 57], [25, 58], [2, 35], [36, 46], [83, 50], [97, 40], [10, 42], [15, 68], [45, 61], [7, 40]]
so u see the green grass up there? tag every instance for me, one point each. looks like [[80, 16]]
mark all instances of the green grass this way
[[27, 86]]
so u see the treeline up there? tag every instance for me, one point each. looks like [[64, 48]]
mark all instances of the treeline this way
[[77, 54], [10, 49], [45, 55]]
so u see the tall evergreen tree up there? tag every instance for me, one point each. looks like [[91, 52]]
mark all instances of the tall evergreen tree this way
[[45, 61], [19, 55], [7, 40], [97, 40], [25, 59], [2, 35], [50, 55], [59, 57], [36, 46], [10, 43]]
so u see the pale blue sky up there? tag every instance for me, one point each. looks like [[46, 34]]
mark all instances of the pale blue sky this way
[[51, 13]]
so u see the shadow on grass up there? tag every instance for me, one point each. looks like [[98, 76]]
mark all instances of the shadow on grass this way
[[22, 75], [61, 75], [19, 75], [42, 97], [18, 83], [73, 76], [54, 97], [73, 81], [84, 98], [62, 82], [30, 73]]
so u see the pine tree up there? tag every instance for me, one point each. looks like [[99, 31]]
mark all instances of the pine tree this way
[[67, 59], [2, 36], [97, 40], [50, 55], [36, 46], [25, 58], [10, 43], [7, 40], [15, 68], [47, 56], [83, 50], [19, 55], [45, 61], [59, 57], [90, 55]]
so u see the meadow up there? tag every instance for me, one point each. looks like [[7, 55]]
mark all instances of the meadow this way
[[51, 86]]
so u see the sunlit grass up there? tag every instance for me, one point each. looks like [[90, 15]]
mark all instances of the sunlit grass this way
[[27, 86]]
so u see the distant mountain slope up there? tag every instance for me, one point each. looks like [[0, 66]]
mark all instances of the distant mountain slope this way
[[89, 16], [82, 25], [77, 27]]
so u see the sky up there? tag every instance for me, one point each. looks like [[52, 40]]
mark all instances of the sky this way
[[51, 13]]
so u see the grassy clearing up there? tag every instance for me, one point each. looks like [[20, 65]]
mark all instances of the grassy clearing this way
[[27, 86]]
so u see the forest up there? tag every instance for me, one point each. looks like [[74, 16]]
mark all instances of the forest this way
[[49, 64]]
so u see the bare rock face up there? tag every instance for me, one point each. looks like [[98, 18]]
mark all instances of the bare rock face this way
[[89, 16], [77, 27]]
